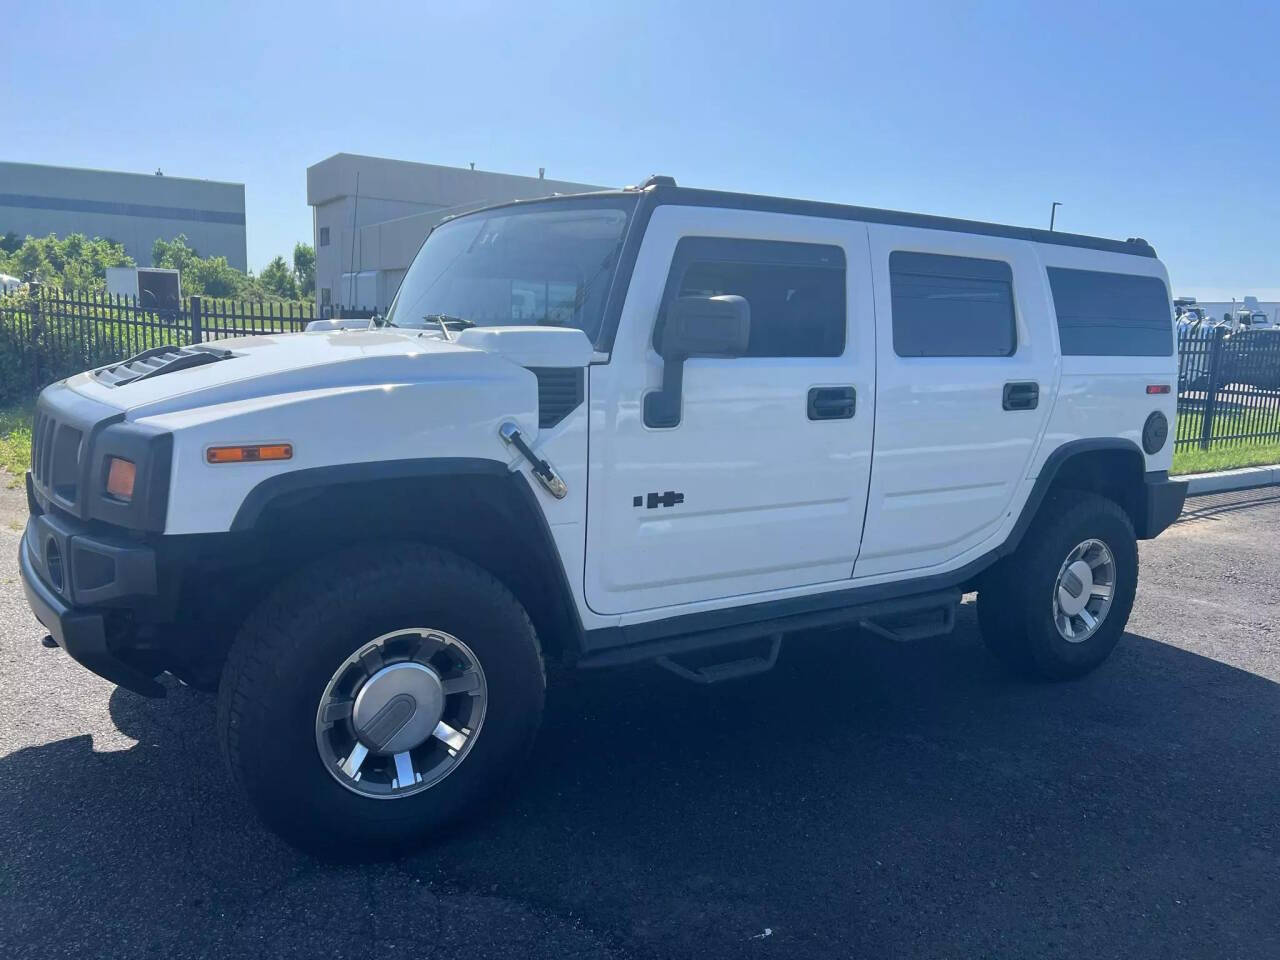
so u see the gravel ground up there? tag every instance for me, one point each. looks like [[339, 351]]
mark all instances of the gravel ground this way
[[864, 799]]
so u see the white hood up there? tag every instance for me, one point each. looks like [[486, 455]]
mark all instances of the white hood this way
[[288, 363]]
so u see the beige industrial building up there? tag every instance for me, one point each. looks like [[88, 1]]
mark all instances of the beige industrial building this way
[[372, 214], [134, 209]]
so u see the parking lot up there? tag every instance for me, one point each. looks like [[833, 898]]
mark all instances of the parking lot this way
[[864, 799]]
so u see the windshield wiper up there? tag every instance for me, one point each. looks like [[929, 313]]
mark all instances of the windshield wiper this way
[[445, 321]]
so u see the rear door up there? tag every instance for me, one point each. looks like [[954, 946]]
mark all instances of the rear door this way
[[761, 485], [967, 376]]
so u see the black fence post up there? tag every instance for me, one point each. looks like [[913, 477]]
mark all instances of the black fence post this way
[[1216, 353], [197, 318], [33, 291]]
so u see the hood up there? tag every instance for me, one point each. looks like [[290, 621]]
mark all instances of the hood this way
[[251, 367]]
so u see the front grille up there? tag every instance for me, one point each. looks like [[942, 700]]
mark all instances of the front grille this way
[[560, 390], [56, 449]]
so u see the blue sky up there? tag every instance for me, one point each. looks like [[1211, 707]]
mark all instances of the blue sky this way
[[1159, 120]]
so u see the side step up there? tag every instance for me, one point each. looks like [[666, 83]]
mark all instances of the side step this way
[[706, 657], [726, 669], [910, 625]]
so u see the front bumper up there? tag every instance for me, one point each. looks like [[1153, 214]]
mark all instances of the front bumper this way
[[1162, 504], [61, 563]]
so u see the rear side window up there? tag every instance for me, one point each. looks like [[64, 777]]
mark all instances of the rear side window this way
[[796, 291], [951, 306], [1111, 314]]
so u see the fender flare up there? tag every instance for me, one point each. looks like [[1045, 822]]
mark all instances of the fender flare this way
[[261, 496], [518, 495], [1049, 471]]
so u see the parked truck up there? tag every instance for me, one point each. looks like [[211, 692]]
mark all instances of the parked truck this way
[[655, 425]]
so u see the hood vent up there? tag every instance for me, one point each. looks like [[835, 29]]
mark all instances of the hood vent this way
[[560, 391], [159, 361]]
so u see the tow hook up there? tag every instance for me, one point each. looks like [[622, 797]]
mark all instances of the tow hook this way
[[543, 471]]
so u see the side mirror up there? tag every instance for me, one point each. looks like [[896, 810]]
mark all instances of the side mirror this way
[[695, 327]]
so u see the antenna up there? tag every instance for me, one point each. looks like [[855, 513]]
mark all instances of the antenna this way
[[351, 269]]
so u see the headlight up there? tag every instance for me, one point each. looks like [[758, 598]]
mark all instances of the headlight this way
[[121, 475]]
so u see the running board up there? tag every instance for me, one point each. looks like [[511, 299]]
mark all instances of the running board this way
[[913, 625], [725, 669], [907, 618]]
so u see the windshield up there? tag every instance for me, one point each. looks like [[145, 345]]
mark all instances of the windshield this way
[[549, 263]]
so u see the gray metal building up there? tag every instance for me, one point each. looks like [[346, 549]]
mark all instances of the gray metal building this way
[[366, 239], [132, 208]]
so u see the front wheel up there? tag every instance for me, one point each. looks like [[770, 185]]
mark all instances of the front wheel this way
[[1057, 606], [377, 696]]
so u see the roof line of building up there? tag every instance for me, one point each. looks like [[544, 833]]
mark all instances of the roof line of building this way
[[342, 155], [122, 173]]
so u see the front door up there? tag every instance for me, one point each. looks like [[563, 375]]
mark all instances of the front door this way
[[761, 484]]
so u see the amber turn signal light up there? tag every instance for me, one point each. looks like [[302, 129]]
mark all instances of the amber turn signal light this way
[[120, 477], [250, 453]]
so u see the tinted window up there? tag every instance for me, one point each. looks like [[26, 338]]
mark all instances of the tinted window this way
[[951, 306], [796, 291], [1111, 314]]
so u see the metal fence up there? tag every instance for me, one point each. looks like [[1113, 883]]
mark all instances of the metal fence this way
[[49, 335], [1228, 383], [1228, 388]]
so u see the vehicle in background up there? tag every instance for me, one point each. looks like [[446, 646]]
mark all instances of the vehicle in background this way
[[157, 287], [1246, 319]]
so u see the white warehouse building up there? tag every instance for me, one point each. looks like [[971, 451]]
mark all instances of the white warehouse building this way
[[134, 209], [371, 215]]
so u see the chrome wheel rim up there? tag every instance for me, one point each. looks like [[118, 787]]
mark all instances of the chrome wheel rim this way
[[1083, 591], [401, 713]]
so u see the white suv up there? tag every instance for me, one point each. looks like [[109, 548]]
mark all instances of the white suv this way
[[656, 424]]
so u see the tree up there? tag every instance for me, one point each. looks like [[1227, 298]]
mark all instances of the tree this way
[[278, 280], [201, 276], [76, 263], [73, 262], [304, 268], [217, 278], [174, 254]]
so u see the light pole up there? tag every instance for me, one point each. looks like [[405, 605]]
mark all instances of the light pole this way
[[1053, 210]]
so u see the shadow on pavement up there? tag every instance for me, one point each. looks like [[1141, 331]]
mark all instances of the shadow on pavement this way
[[863, 799]]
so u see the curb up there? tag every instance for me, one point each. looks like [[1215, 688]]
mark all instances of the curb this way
[[1223, 480]]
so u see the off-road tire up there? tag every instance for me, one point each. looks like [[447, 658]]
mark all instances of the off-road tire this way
[[290, 645], [1015, 599]]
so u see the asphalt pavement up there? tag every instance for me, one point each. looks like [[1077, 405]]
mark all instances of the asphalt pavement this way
[[865, 799]]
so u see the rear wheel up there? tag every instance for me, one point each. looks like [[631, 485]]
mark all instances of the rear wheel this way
[[1056, 608], [378, 696]]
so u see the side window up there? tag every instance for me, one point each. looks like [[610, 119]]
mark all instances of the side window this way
[[324, 236], [1111, 314], [951, 306], [796, 291]]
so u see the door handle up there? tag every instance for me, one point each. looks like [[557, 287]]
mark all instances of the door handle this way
[[1021, 395], [832, 403]]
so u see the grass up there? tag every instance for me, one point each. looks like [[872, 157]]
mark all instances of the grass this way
[[15, 442], [1195, 460], [1248, 453]]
